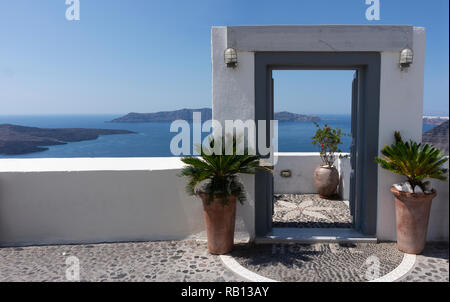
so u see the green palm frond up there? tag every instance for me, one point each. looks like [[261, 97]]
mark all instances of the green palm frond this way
[[414, 160], [217, 174]]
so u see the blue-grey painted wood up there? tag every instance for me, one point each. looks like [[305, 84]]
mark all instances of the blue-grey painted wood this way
[[354, 130]]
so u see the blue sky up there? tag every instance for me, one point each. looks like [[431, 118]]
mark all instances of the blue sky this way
[[313, 91], [148, 55]]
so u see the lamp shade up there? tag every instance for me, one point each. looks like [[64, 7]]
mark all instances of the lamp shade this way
[[406, 58], [230, 57]]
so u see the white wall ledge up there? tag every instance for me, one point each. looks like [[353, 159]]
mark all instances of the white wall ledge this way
[[90, 164], [108, 164], [304, 154]]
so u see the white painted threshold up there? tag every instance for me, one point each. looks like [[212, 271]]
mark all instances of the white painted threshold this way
[[314, 235]]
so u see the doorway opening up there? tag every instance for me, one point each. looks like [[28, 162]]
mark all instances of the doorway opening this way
[[365, 104], [304, 100]]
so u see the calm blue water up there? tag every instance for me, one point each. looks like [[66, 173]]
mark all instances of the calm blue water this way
[[153, 139], [296, 136]]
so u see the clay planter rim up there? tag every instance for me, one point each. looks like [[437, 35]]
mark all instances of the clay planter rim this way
[[412, 196], [327, 166]]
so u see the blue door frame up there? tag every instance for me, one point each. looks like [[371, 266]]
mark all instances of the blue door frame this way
[[365, 122]]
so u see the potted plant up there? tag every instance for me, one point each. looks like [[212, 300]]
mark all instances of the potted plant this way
[[214, 177], [326, 176], [413, 198]]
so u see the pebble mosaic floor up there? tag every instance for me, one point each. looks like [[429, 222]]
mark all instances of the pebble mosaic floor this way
[[431, 266], [310, 211], [178, 261], [320, 262], [181, 261]]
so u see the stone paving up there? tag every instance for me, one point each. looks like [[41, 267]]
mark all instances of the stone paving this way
[[310, 211], [150, 261], [431, 266], [320, 262], [189, 260]]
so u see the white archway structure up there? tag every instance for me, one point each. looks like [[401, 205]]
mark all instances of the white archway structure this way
[[400, 91]]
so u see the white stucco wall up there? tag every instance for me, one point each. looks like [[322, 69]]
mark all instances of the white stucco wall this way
[[234, 98], [401, 108], [438, 226], [344, 168], [53, 201], [302, 166]]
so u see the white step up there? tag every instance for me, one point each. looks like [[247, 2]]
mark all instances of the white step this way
[[314, 235]]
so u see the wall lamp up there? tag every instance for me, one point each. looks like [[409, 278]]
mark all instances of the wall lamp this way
[[406, 58], [230, 57]]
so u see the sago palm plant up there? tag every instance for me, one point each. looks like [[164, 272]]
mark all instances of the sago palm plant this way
[[216, 174], [413, 160]]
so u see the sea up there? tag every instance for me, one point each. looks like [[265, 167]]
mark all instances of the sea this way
[[153, 139]]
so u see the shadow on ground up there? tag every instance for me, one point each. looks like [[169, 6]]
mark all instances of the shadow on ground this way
[[320, 262], [288, 255]]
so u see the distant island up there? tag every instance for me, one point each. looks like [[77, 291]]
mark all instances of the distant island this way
[[16, 140], [206, 114], [285, 116], [164, 116]]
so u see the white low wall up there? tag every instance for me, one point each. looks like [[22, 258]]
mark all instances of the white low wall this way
[[56, 201], [438, 225], [302, 166], [53, 201]]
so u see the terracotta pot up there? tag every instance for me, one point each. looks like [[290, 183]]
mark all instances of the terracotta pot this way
[[326, 180], [220, 222], [412, 212]]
